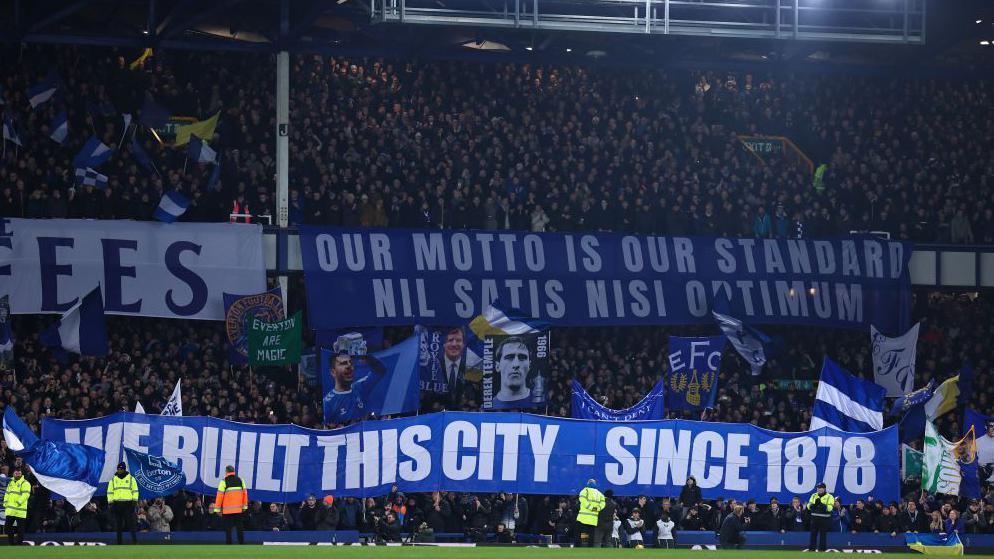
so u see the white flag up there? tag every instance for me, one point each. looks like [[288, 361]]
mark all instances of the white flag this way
[[175, 404], [894, 360], [139, 408], [940, 471]]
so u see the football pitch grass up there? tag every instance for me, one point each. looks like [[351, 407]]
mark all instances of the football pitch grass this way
[[367, 552]]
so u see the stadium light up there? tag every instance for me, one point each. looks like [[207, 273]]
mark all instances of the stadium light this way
[[979, 21], [985, 43], [569, 50], [529, 49]]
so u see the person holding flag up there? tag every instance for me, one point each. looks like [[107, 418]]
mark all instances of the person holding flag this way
[[122, 496], [15, 503]]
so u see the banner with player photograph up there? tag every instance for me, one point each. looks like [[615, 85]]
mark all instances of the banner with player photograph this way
[[359, 385], [443, 358], [693, 372], [515, 368], [392, 277]]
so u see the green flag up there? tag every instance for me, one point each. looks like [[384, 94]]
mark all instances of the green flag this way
[[911, 462], [274, 343], [940, 470]]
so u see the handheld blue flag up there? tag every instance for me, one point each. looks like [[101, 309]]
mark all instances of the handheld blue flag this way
[[155, 476], [44, 90], [171, 206], [82, 329], [60, 128], [94, 154], [70, 470], [846, 402]]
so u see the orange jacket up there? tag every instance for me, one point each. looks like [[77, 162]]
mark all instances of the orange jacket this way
[[232, 498]]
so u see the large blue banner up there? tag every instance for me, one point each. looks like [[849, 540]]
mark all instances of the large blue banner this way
[[490, 452], [391, 277], [653, 406]]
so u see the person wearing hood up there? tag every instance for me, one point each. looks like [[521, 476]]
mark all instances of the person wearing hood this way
[[591, 503]]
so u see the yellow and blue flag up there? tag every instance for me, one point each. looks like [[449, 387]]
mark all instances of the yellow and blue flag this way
[[935, 544]]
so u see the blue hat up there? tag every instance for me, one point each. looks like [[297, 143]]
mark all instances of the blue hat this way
[[591, 482]]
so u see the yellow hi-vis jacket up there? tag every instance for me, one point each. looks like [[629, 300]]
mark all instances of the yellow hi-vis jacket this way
[[122, 489], [591, 502], [15, 500]]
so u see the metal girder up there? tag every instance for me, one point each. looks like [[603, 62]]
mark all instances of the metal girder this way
[[314, 11], [199, 17], [59, 15], [819, 20]]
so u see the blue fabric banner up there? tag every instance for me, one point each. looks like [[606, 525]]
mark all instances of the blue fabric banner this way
[[512, 451], [652, 407], [155, 476], [359, 385], [693, 376], [390, 277]]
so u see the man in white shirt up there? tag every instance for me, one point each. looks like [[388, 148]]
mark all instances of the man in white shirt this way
[[664, 532]]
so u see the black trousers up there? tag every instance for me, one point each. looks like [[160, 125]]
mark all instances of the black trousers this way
[[124, 518], [819, 532], [15, 530], [602, 535], [236, 521], [585, 529]]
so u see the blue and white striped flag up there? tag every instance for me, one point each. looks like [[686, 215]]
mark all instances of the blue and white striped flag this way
[[89, 177], [94, 154], [44, 91], [749, 342], [70, 470], [199, 151], [172, 205], [847, 402], [60, 128], [82, 329], [10, 132]]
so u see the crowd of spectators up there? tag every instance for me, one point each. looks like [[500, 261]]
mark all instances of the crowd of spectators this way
[[504, 146], [514, 146]]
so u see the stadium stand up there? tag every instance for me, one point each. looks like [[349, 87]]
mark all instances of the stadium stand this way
[[384, 143]]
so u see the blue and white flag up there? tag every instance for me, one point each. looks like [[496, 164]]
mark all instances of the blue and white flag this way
[[60, 128], [894, 360], [82, 329], [199, 151], [175, 404], [10, 131], [41, 93], [171, 206], [139, 408], [847, 402], [6, 335], [652, 407], [749, 342], [90, 177], [155, 476], [693, 372], [381, 383], [94, 154], [70, 470]]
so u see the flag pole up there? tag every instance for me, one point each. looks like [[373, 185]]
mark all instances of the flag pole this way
[[121, 141]]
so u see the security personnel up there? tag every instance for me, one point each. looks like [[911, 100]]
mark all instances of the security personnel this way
[[15, 502], [232, 502], [122, 496], [591, 503], [820, 508]]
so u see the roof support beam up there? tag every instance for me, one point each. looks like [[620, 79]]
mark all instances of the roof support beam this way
[[60, 15]]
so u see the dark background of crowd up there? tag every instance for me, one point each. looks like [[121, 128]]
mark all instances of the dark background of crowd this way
[[517, 146], [503, 146]]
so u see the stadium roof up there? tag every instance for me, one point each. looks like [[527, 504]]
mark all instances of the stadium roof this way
[[913, 32]]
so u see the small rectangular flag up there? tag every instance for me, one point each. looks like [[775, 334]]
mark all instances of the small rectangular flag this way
[[911, 462], [894, 360], [171, 207], [10, 132], [89, 177], [153, 115], [44, 90], [934, 544], [749, 342], [60, 128], [201, 129], [693, 372], [141, 155], [82, 329], [94, 154], [174, 407], [847, 402], [275, 343], [199, 151], [155, 476]]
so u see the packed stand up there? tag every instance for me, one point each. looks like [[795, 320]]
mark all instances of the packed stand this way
[[457, 145]]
